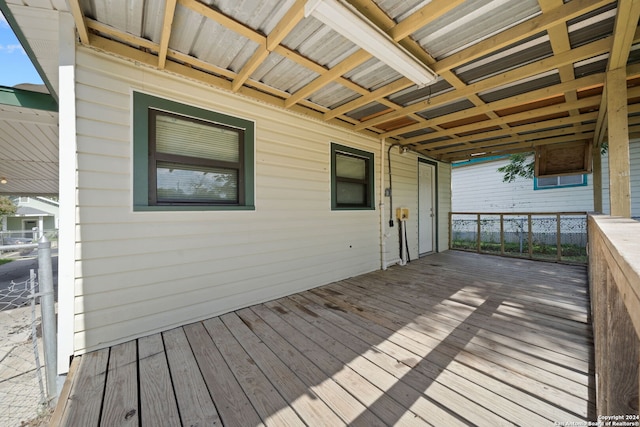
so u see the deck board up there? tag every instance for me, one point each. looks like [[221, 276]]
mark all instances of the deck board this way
[[451, 339]]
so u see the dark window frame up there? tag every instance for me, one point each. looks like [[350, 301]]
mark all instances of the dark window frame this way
[[368, 181], [143, 104]]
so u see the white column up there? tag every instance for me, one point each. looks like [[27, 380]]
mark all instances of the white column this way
[[40, 226], [67, 190]]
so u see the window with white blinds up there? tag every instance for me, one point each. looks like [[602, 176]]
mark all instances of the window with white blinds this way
[[189, 158], [193, 161]]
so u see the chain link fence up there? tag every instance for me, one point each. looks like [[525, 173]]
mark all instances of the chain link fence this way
[[24, 394], [541, 236]]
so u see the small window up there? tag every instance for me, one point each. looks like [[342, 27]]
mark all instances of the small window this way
[[352, 178], [187, 158], [559, 182]]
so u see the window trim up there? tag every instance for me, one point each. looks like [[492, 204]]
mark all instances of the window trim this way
[[370, 177], [142, 104], [551, 187]]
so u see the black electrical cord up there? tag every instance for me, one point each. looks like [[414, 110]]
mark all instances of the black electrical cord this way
[[390, 184]]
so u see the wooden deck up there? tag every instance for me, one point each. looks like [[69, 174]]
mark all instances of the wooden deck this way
[[451, 339]]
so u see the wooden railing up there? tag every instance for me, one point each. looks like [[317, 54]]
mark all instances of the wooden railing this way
[[549, 236], [614, 281]]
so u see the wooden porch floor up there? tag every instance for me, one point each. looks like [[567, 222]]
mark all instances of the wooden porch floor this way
[[451, 339]]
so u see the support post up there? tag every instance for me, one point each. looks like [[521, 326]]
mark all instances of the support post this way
[[530, 234], [47, 305], [619, 162], [597, 179], [558, 237]]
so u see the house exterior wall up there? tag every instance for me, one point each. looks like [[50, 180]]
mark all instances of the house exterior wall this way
[[404, 175], [15, 222], [137, 273], [478, 187]]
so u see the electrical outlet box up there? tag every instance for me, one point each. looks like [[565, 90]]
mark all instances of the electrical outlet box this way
[[387, 192], [402, 214]]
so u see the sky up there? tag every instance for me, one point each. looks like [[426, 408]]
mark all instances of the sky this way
[[15, 66]]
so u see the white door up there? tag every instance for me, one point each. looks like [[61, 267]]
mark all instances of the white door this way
[[426, 207]]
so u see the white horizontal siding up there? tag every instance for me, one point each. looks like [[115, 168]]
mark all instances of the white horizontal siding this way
[[140, 272], [479, 188], [404, 173]]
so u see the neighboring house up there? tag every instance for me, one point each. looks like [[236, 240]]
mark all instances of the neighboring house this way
[[32, 212], [471, 179]]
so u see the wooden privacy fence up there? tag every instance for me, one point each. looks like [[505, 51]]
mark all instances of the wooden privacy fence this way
[[614, 281], [550, 236]]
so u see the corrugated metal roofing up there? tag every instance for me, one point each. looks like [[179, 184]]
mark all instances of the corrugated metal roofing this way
[[527, 85], [516, 55], [591, 26], [370, 96], [454, 107], [415, 94], [472, 22]]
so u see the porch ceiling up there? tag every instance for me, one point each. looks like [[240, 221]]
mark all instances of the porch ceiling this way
[[28, 142], [513, 74]]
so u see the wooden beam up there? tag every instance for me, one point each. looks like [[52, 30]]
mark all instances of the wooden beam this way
[[165, 35], [585, 51], [543, 135], [514, 148], [619, 163], [547, 124], [78, 17], [525, 115], [294, 15], [348, 64], [389, 89], [249, 67], [522, 99], [624, 32], [422, 17], [597, 180], [519, 32], [223, 20]]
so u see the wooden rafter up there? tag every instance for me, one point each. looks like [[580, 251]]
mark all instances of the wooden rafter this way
[[624, 34], [169, 11], [294, 15], [531, 114], [546, 124], [520, 32], [582, 52], [570, 103], [79, 19], [514, 101]]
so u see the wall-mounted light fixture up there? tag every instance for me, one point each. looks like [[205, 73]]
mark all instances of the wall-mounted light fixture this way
[[350, 23], [3, 180]]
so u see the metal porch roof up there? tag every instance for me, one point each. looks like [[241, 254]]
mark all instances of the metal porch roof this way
[[497, 60]]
